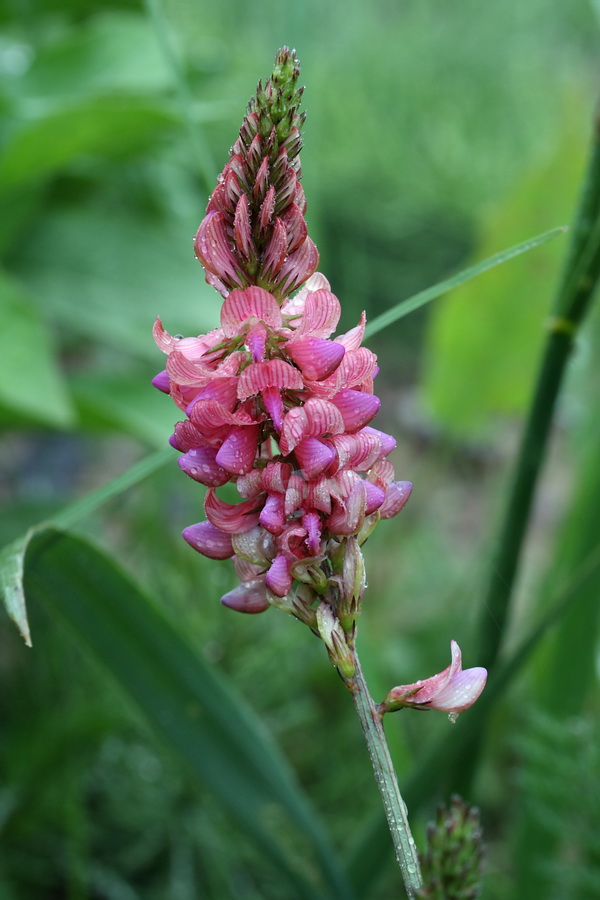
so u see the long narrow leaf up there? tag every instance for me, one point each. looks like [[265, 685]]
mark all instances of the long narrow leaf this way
[[423, 297], [186, 701]]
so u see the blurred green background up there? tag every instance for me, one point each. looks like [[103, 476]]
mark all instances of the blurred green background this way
[[437, 134]]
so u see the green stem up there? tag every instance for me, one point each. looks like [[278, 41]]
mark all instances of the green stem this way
[[573, 300], [396, 813]]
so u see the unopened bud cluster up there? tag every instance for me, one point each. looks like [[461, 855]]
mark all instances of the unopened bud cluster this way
[[272, 402], [451, 865]]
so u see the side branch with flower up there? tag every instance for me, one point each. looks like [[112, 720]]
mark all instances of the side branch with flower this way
[[281, 409]]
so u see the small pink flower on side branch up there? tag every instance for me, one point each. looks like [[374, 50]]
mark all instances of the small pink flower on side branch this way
[[452, 691]]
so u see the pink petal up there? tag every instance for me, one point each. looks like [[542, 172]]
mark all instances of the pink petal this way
[[314, 456], [322, 312], [261, 180], [353, 338], [251, 484], [279, 577], [253, 301], [274, 406], [287, 193], [208, 540], [214, 250], [250, 597], [396, 497], [295, 427], [275, 252], [270, 373], [200, 465], [317, 357], [234, 518], [163, 340], [375, 497], [318, 495], [294, 494], [348, 515], [276, 477], [388, 442], [242, 230], [224, 390], [356, 407], [256, 341], [295, 227], [461, 691], [312, 522], [267, 209], [297, 267], [238, 451], [162, 382], [272, 516]]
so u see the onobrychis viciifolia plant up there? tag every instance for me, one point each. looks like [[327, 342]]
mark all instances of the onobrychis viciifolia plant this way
[[278, 407]]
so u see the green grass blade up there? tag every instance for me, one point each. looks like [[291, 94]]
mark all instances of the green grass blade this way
[[187, 702], [407, 306]]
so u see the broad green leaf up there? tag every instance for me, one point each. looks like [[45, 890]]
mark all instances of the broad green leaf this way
[[483, 343], [31, 383], [12, 556], [185, 700], [106, 275], [105, 126], [407, 306], [111, 52]]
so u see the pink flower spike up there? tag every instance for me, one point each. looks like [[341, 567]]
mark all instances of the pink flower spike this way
[[208, 540], [238, 450], [279, 576], [451, 691], [200, 465], [396, 498], [162, 382], [317, 357], [250, 597]]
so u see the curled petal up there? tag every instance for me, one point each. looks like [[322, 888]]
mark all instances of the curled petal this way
[[295, 426], [238, 451], [312, 522], [314, 456], [396, 497], [234, 518], [317, 357], [209, 540], [318, 495], [250, 597], [163, 340], [279, 576], [353, 338], [382, 473], [294, 494], [348, 515], [356, 407], [200, 465], [276, 477], [270, 373]]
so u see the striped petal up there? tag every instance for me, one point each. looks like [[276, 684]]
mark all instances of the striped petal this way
[[317, 357], [214, 251], [270, 373], [396, 497], [233, 518], [244, 304]]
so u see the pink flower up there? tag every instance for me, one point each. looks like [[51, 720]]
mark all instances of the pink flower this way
[[452, 691]]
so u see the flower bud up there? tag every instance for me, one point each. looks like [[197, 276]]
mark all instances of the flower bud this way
[[353, 585], [334, 638]]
